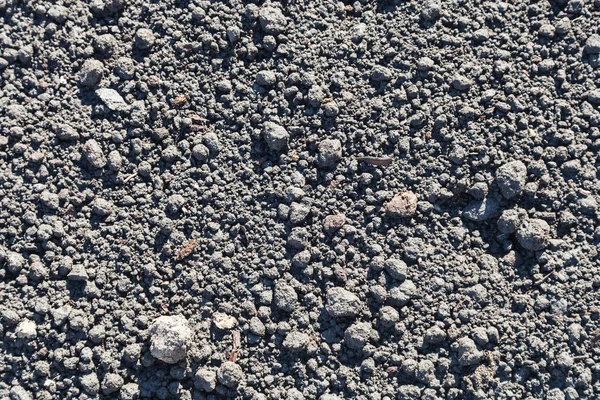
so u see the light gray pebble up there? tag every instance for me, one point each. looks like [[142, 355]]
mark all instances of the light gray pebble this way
[[103, 207], [510, 220], [331, 109], [294, 394], [9, 317], [479, 190], [125, 68], [296, 341], [233, 34], [144, 39], [461, 83], [381, 73], [58, 13], [106, 44], [547, 31], [564, 360], [272, 20], [592, 44], [230, 374], [481, 35], [266, 78], [67, 133], [401, 295], [111, 383], [114, 160], [588, 205], [205, 379], [276, 136], [533, 234], [555, 394], [481, 210], [468, 353], [200, 152], [342, 303], [212, 142], [426, 373], [27, 329], [90, 383], [93, 154], [78, 273], [97, 334], [175, 203], [409, 392], [130, 391], [425, 64], [298, 213], [435, 335], [330, 152], [257, 327], [132, 353], [396, 268], [299, 238], [511, 178], [19, 393], [357, 335], [112, 99], [91, 73], [431, 10], [169, 338], [285, 297], [60, 315], [14, 262], [388, 316]]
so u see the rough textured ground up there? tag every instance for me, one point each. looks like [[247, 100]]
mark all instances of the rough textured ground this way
[[185, 212]]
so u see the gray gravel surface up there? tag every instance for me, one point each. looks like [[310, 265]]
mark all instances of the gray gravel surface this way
[[299, 199]]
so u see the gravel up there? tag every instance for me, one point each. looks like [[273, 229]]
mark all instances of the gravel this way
[[112, 99], [402, 205], [511, 178], [276, 136], [205, 379], [91, 73], [533, 234], [296, 341], [357, 335], [299, 200], [330, 152], [230, 374], [342, 303], [170, 337]]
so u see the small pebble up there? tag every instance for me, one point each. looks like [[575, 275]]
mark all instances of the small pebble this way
[[402, 205]]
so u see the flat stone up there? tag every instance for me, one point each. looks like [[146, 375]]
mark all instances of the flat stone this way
[[78, 273], [112, 99], [481, 210]]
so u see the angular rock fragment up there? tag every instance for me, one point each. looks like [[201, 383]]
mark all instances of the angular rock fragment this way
[[332, 223], [511, 178], [402, 205], [296, 341], [533, 234], [330, 152], [342, 303], [276, 136], [112, 99], [272, 20], [481, 210], [169, 338]]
